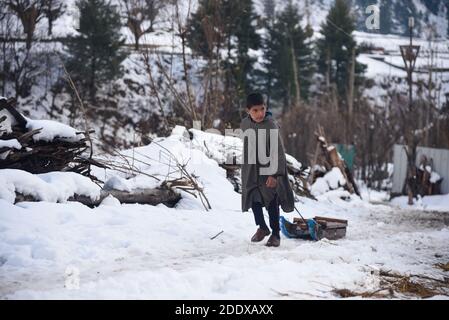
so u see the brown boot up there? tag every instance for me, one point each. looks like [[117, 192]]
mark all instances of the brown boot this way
[[260, 235], [273, 241]]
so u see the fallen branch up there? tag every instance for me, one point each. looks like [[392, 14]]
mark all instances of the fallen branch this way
[[216, 235], [190, 178]]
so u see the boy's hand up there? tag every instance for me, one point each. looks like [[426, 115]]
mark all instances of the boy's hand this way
[[271, 182]]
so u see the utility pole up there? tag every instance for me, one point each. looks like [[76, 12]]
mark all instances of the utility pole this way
[[409, 55]]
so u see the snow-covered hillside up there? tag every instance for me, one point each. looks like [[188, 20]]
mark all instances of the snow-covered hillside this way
[[428, 18], [384, 63], [133, 101], [386, 66], [430, 15]]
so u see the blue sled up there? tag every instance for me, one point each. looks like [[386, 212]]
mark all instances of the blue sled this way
[[293, 231]]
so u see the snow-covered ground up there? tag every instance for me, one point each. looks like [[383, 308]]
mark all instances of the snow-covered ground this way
[[438, 203], [66, 250], [145, 252]]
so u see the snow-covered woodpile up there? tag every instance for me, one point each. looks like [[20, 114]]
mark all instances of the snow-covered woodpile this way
[[43, 160], [330, 171], [39, 146], [428, 181], [299, 175]]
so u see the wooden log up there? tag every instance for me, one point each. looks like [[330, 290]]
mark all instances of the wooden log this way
[[337, 162], [352, 180], [314, 162], [26, 137], [328, 222], [332, 159], [331, 220], [141, 196], [9, 105], [24, 198], [300, 223]]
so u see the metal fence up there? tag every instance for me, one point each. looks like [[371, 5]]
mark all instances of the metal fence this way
[[440, 165]]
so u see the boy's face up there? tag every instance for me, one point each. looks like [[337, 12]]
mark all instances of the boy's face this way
[[257, 113]]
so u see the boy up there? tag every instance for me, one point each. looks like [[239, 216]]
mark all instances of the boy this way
[[264, 170]]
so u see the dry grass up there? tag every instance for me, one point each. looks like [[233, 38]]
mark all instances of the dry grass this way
[[408, 287], [380, 294], [443, 266], [394, 285]]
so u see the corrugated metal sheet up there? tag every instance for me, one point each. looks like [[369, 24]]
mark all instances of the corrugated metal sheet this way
[[440, 165]]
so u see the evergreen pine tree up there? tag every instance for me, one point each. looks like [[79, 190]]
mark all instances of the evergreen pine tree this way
[[94, 56], [205, 27], [247, 39], [228, 25], [267, 45], [288, 55], [336, 47]]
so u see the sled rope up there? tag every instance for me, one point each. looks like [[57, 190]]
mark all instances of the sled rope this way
[[301, 215]]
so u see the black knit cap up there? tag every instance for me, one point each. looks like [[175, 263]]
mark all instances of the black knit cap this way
[[254, 99]]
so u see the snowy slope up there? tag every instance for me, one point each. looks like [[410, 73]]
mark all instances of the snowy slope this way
[[386, 67], [315, 14], [134, 102], [434, 16]]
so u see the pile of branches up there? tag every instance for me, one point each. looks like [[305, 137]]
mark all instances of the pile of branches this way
[[299, 181], [39, 156], [326, 158], [177, 179]]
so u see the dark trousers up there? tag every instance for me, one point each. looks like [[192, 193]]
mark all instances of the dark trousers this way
[[273, 213]]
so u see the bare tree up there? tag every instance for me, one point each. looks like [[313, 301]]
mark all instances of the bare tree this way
[[154, 88], [30, 12], [142, 12], [52, 10], [6, 29]]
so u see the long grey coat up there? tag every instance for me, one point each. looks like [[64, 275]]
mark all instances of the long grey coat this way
[[254, 187]]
